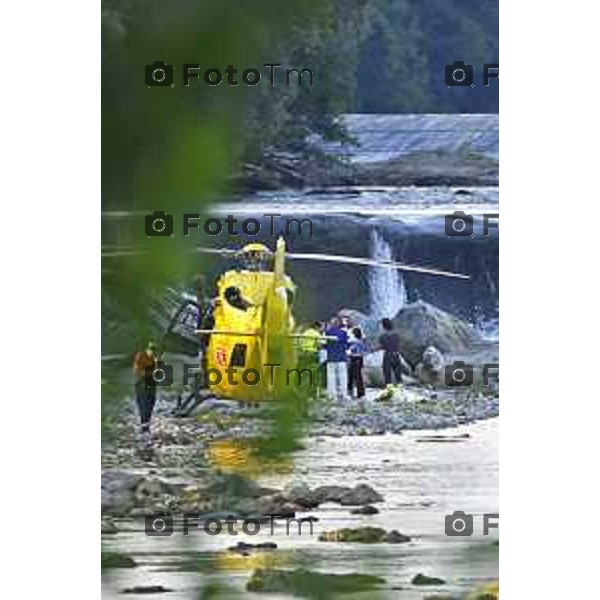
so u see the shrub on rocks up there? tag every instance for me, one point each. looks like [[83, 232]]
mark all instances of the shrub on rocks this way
[[310, 584], [364, 535]]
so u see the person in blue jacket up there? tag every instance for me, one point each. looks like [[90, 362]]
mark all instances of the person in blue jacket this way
[[337, 369]]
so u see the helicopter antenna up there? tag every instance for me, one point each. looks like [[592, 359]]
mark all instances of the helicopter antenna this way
[[375, 263]]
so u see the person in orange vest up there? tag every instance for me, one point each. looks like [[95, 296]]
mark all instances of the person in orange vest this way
[[144, 364]]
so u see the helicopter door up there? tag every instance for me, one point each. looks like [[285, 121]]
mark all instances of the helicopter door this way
[[238, 356]]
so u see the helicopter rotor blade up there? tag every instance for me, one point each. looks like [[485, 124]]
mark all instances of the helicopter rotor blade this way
[[219, 251], [374, 263]]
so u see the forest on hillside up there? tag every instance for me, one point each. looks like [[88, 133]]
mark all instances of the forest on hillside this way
[[379, 56], [374, 56]]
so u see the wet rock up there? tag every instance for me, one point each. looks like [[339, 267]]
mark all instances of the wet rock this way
[[276, 505], [117, 492], [245, 548], [421, 325], [150, 491], [365, 510], [311, 584], [232, 484], [421, 579], [363, 535], [146, 589], [362, 494], [108, 527], [267, 491], [115, 560], [395, 537], [300, 494], [141, 512], [329, 493], [430, 369]]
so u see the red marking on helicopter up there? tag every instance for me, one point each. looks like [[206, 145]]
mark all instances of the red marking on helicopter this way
[[221, 356]]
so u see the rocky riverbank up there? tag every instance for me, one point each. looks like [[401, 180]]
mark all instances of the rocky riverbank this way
[[404, 408], [320, 170]]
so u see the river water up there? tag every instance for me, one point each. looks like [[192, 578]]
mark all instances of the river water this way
[[423, 476]]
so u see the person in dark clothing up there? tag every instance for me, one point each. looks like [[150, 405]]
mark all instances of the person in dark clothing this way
[[144, 364], [357, 349], [393, 364], [207, 322]]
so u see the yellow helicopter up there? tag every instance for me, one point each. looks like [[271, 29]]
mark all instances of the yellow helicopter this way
[[253, 326]]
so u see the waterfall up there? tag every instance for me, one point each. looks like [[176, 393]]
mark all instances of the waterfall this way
[[386, 286]]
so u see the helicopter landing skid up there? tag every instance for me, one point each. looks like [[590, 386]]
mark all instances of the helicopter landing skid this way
[[193, 400]]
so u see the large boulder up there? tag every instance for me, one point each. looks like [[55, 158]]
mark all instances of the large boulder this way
[[421, 325]]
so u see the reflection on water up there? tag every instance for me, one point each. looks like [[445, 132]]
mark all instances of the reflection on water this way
[[242, 456], [234, 561]]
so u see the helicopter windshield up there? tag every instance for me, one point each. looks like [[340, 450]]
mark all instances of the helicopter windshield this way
[[255, 260]]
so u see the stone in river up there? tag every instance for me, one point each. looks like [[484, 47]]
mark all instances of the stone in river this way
[[146, 589], [362, 494], [364, 510], [421, 579]]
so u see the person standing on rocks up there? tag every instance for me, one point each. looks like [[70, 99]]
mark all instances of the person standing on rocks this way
[[393, 363], [356, 351], [337, 362], [144, 364]]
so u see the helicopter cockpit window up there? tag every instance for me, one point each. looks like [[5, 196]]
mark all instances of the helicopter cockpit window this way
[[255, 260], [290, 297], [233, 295]]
